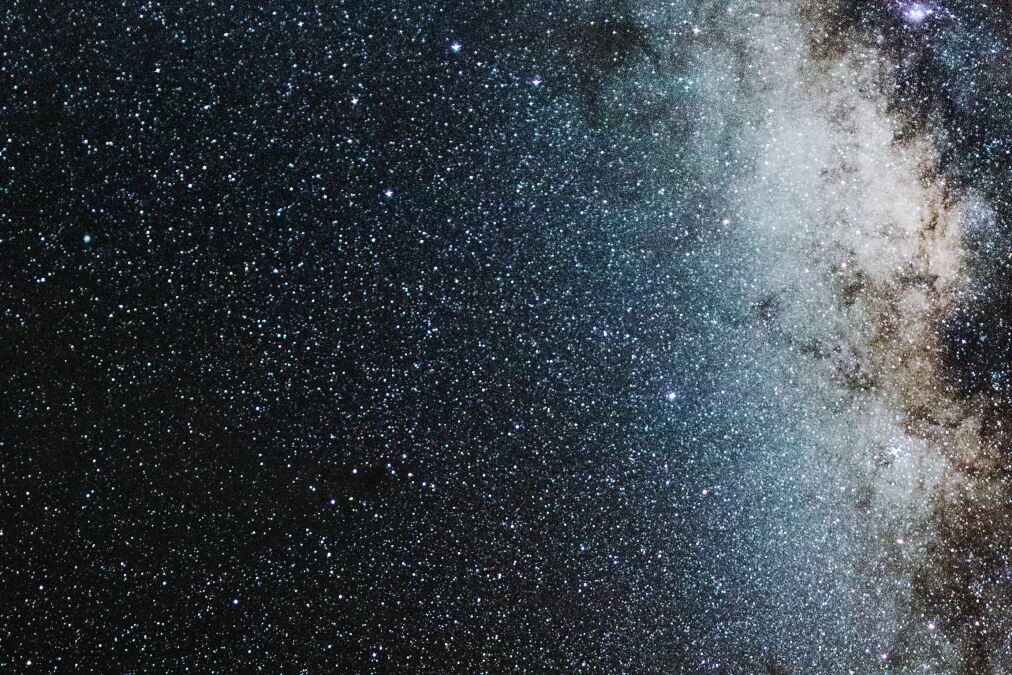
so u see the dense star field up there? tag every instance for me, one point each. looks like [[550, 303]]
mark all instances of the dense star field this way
[[646, 336]]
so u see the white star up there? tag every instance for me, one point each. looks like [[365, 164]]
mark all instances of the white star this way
[[917, 12]]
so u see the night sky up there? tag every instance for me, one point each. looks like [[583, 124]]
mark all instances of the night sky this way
[[655, 336]]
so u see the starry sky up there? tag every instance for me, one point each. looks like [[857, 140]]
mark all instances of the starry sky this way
[[641, 336]]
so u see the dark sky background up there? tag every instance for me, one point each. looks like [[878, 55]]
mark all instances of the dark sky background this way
[[393, 337]]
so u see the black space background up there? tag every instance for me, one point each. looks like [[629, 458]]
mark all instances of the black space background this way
[[267, 418]]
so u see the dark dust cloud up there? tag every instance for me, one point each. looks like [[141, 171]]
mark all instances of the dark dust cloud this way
[[605, 337]]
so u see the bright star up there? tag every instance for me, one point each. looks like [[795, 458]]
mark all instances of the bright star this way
[[917, 12]]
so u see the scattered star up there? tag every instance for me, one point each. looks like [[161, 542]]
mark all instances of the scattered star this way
[[580, 337]]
